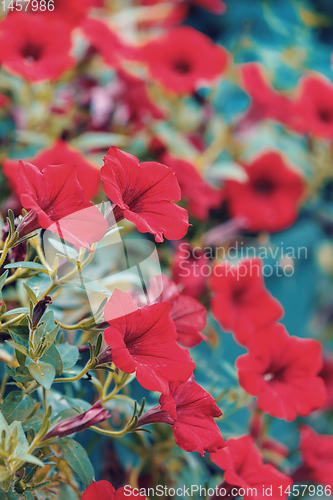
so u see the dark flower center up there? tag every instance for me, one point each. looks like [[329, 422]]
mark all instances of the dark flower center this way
[[274, 375], [326, 115], [32, 52], [264, 186], [237, 294], [182, 67]]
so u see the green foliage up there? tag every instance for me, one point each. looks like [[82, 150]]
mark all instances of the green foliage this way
[[78, 460]]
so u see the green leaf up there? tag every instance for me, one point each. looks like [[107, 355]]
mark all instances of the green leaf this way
[[20, 334], [18, 310], [77, 458], [43, 373], [50, 338], [18, 347], [22, 375], [21, 440], [3, 278], [17, 406], [52, 357], [66, 491], [69, 355], [34, 422], [4, 474], [31, 294], [31, 459], [91, 140], [27, 265]]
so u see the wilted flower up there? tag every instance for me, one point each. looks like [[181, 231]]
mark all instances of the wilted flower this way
[[97, 413]]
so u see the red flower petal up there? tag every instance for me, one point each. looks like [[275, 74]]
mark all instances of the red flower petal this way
[[35, 58], [241, 303], [243, 466], [183, 59], [143, 194], [57, 203], [99, 489], [145, 341], [282, 371], [60, 153], [270, 198]]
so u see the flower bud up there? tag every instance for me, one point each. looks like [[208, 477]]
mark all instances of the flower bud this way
[[105, 356], [97, 413], [40, 309]]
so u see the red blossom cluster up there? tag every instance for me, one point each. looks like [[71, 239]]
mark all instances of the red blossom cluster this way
[[286, 374]]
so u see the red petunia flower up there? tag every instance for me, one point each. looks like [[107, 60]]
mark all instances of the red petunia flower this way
[[144, 341], [35, 50], [282, 371], [265, 101], [313, 108], [327, 375], [273, 450], [107, 42], [105, 490], [244, 468], [187, 313], [317, 454], [143, 194], [60, 153], [270, 198], [241, 303], [190, 269], [56, 202], [183, 59], [201, 195], [191, 412]]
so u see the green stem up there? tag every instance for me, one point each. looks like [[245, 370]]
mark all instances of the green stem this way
[[44, 399], [109, 433], [107, 383], [4, 254], [88, 367]]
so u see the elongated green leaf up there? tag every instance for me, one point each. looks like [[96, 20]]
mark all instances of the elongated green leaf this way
[[21, 440], [20, 334], [27, 265], [31, 294], [50, 338], [43, 373], [18, 310], [3, 278], [77, 459], [17, 406], [31, 459], [18, 347]]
